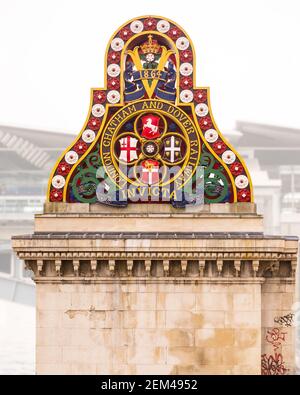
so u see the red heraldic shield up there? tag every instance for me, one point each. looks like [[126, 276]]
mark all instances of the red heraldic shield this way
[[150, 171], [150, 126]]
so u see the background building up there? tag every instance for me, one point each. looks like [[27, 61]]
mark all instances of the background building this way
[[272, 154], [26, 158]]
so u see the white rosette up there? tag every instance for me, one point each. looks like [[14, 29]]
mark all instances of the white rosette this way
[[201, 109], [136, 26], [228, 157], [117, 44], [186, 96], [211, 135], [186, 69], [71, 157], [98, 110], [58, 182], [113, 97], [163, 26], [241, 181], [182, 43], [88, 136], [113, 70]]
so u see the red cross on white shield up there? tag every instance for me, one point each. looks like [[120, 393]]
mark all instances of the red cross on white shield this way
[[128, 149]]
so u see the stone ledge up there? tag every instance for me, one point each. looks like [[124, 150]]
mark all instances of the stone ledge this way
[[150, 224], [157, 280], [145, 218], [256, 247], [153, 235], [85, 208]]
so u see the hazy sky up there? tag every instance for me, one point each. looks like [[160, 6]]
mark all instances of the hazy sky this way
[[52, 53]]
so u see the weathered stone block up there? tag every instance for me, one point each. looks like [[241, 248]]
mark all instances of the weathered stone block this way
[[213, 301], [246, 338], [243, 302], [139, 319], [184, 319], [177, 301], [148, 354], [214, 337]]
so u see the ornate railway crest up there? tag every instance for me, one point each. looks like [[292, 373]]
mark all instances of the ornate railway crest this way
[[150, 132]]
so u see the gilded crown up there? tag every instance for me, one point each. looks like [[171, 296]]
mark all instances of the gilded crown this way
[[150, 46]]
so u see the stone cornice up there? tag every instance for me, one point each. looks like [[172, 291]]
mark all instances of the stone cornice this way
[[102, 255], [150, 265]]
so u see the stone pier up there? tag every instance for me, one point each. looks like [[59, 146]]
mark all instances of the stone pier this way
[[149, 289]]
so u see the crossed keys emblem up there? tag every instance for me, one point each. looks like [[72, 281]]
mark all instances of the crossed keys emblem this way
[[150, 145]]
